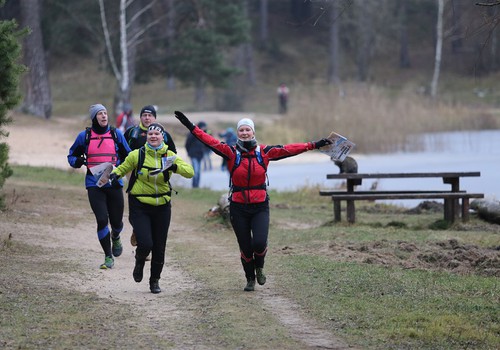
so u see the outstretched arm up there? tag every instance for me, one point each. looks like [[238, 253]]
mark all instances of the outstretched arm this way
[[214, 144], [184, 120]]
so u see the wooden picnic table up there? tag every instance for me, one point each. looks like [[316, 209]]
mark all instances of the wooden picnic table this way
[[451, 197]]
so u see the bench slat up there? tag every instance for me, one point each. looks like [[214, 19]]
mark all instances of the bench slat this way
[[409, 195], [335, 192]]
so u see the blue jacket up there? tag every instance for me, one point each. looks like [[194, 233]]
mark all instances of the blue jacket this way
[[79, 149]]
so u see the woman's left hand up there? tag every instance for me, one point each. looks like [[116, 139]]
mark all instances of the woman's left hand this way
[[321, 143]]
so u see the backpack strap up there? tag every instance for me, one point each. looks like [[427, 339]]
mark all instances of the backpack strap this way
[[260, 160], [140, 165], [140, 162]]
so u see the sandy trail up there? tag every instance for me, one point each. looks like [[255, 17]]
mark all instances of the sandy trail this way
[[52, 140]]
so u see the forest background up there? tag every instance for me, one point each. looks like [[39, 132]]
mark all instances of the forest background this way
[[377, 71], [444, 283]]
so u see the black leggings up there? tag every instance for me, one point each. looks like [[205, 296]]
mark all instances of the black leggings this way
[[251, 225], [150, 225], [107, 203]]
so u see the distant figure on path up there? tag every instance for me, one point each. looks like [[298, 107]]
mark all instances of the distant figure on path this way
[[125, 119], [283, 98]]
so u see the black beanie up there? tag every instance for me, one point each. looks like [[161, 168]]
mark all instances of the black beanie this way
[[148, 109]]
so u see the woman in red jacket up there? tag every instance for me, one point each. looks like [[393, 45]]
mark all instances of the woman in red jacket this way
[[247, 163]]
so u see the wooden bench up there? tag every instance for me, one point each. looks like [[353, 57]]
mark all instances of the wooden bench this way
[[449, 212], [451, 198]]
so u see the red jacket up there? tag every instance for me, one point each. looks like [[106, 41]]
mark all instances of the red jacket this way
[[249, 178]]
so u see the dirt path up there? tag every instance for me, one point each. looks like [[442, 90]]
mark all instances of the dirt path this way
[[174, 313]]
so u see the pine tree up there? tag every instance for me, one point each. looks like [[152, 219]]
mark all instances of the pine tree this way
[[10, 74]]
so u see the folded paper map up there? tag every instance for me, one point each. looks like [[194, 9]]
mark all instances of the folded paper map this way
[[340, 147], [101, 173], [166, 162]]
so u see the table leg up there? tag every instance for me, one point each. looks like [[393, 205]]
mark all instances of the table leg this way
[[351, 212], [336, 210]]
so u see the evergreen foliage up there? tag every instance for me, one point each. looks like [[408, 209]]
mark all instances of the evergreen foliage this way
[[205, 33], [10, 73]]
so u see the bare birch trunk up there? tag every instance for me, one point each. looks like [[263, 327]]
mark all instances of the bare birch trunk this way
[[439, 46]]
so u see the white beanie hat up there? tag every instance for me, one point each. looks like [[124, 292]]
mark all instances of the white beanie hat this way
[[246, 121]]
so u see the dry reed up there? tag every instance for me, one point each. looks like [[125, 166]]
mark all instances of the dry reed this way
[[377, 120]]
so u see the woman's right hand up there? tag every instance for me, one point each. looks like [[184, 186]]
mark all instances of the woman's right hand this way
[[184, 120]]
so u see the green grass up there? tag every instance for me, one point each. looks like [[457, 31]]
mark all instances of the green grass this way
[[409, 309], [383, 283], [47, 175]]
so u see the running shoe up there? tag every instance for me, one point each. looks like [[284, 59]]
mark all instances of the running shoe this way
[[250, 287], [109, 262], [261, 278], [117, 247]]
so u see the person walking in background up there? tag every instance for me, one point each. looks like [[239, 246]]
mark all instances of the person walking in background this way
[[207, 157], [283, 92], [249, 202], [196, 151], [96, 145], [229, 137], [137, 136], [149, 197], [125, 119]]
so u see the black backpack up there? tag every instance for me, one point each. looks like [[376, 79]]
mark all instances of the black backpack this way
[[140, 165]]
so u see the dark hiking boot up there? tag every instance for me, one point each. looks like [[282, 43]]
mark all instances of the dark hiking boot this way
[[250, 287], [154, 286], [138, 270], [261, 278]]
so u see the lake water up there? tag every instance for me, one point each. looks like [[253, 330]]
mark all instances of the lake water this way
[[440, 152]]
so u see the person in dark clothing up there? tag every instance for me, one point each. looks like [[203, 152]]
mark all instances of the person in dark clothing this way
[[196, 150], [136, 135], [92, 147], [230, 138], [249, 202]]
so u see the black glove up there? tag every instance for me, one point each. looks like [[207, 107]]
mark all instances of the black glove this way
[[322, 143], [172, 168], [184, 120], [79, 162], [113, 178]]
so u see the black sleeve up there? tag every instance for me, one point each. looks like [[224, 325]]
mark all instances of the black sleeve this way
[[170, 142]]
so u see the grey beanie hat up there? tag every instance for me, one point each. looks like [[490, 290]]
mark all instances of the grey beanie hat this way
[[94, 109]]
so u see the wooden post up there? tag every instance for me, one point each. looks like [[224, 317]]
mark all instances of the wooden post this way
[[336, 210]]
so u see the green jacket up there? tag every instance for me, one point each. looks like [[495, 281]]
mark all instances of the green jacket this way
[[152, 189]]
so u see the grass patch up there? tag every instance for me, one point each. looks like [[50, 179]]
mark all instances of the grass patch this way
[[414, 309], [380, 283], [46, 175]]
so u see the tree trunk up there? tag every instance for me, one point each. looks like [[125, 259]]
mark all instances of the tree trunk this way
[[199, 94], [365, 39], [404, 55], [439, 46], [36, 87], [333, 62], [249, 64], [264, 33], [170, 41], [456, 41]]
